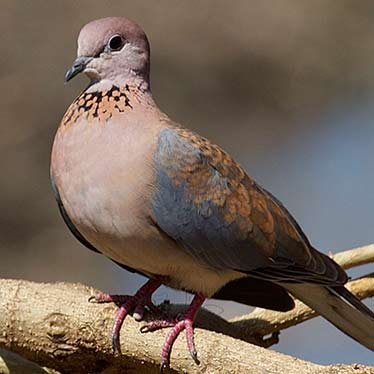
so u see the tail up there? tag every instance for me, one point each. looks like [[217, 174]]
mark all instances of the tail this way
[[340, 307]]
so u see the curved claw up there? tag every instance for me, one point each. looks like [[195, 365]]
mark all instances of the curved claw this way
[[190, 341], [116, 347], [92, 299], [194, 357], [163, 365], [144, 329]]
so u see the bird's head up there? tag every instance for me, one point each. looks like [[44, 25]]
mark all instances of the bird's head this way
[[113, 49]]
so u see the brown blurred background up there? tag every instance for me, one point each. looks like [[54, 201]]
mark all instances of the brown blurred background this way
[[286, 86]]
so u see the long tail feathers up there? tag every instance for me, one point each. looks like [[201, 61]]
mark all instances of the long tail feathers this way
[[340, 307]]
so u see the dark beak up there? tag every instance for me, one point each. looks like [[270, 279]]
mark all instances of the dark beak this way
[[78, 66]]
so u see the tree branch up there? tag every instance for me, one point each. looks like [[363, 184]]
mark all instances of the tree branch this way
[[355, 257], [54, 326]]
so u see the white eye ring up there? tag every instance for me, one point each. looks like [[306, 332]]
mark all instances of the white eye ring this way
[[115, 43]]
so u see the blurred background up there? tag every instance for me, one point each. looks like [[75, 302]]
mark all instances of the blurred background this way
[[286, 86]]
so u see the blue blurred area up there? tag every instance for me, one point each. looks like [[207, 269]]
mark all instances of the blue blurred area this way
[[332, 177]]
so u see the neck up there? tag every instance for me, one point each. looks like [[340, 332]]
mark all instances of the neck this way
[[104, 99], [132, 80]]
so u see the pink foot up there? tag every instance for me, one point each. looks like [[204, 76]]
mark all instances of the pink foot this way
[[158, 324], [136, 303], [178, 325], [138, 312], [108, 298]]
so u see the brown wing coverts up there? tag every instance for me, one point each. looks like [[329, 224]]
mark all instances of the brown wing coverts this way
[[217, 212]]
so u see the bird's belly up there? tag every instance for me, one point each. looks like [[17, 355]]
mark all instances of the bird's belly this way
[[123, 231], [132, 240], [135, 242], [154, 254]]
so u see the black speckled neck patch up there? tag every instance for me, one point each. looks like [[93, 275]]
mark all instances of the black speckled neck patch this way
[[101, 105]]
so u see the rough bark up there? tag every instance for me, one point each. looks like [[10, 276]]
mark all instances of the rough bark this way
[[54, 325]]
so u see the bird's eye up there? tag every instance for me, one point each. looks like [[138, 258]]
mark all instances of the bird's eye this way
[[115, 43]]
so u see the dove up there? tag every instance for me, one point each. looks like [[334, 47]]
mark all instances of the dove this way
[[162, 201]]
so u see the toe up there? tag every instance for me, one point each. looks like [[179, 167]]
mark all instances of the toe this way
[[190, 341], [157, 325], [138, 312], [100, 298]]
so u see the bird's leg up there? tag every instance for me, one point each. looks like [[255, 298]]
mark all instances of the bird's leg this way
[[178, 325], [136, 302]]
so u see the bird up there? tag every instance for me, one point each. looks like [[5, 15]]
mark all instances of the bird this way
[[162, 201]]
